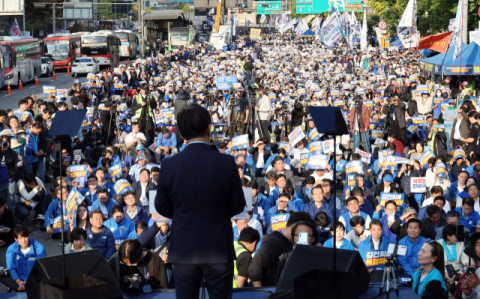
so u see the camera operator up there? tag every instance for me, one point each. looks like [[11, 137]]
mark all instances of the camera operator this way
[[239, 114], [264, 109], [360, 124], [136, 268], [398, 114], [107, 117], [140, 104]]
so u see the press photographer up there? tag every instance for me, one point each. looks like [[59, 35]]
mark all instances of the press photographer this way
[[239, 113], [108, 117], [141, 104], [138, 270], [360, 124], [395, 111]]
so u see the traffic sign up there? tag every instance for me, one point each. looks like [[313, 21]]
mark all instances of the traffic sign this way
[[240, 10], [319, 6], [382, 25], [269, 7]]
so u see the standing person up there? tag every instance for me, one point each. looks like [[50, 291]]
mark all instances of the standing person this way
[[213, 254], [239, 115], [360, 125], [399, 122], [12, 168], [140, 106], [264, 108], [180, 104]]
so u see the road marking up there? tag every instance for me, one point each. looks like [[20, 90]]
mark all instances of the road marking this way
[[33, 86], [8, 95]]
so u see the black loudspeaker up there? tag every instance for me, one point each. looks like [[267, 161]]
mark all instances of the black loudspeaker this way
[[308, 257], [90, 262], [327, 283]]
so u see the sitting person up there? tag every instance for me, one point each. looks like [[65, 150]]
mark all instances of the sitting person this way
[[244, 247], [134, 211], [427, 281], [131, 259], [21, 257], [388, 218], [90, 191], [399, 227], [99, 236], [454, 249], [54, 211], [375, 242], [438, 201], [358, 232], [142, 188], [121, 228], [433, 222], [104, 204], [414, 242], [283, 204], [317, 204], [77, 241], [340, 241], [468, 217], [353, 210]]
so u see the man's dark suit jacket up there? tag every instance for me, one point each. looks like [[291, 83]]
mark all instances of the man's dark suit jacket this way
[[200, 190], [137, 186]]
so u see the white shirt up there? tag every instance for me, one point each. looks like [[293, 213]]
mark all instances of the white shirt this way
[[131, 136], [104, 210], [297, 152], [260, 161], [25, 251], [376, 244], [429, 201], [457, 134], [143, 197]]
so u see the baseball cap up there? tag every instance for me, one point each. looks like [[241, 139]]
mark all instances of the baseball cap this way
[[464, 83]]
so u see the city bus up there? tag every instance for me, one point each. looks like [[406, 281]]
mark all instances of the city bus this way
[[108, 25], [104, 45], [62, 49], [129, 42], [180, 37], [21, 59]]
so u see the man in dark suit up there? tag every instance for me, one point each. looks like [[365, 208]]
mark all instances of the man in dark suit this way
[[200, 190], [279, 167], [142, 187]]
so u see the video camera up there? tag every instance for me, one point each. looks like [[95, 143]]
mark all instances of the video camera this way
[[135, 284]]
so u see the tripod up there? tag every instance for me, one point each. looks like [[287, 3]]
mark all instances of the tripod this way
[[389, 278]]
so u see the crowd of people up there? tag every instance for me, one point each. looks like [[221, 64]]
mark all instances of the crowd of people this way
[[407, 128]]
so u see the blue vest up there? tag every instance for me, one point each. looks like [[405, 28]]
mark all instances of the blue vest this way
[[348, 216], [433, 275]]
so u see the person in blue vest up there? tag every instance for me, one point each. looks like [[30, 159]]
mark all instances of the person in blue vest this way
[[90, 192], [340, 241], [317, 204], [108, 153], [284, 204], [121, 228], [375, 242], [260, 203], [54, 210], [427, 281], [99, 236], [21, 257], [468, 216], [388, 218], [134, 211], [365, 205], [353, 207], [414, 242], [100, 173], [104, 203], [166, 144]]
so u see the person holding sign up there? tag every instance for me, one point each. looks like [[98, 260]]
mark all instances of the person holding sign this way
[[54, 211], [284, 203], [388, 218], [375, 242], [428, 281]]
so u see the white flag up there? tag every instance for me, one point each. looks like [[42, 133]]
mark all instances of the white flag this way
[[263, 18], [407, 28], [15, 31], [211, 11], [457, 35], [363, 34]]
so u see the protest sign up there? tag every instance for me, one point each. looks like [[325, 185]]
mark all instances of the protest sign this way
[[7, 132], [366, 157], [398, 198], [121, 186], [296, 136], [284, 145], [66, 161], [313, 135], [459, 153], [376, 259], [71, 206], [383, 154], [304, 159], [315, 146], [418, 185], [351, 182], [79, 173], [377, 134], [115, 171], [48, 90], [424, 158], [255, 34], [441, 170], [418, 120], [56, 223], [436, 101], [328, 146], [29, 203], [279, 221], [90, 76], [354, 167], [400, 160], [62, 93], [225, 82], [239, 142], [413, 128], [317, 161], [77, 156]]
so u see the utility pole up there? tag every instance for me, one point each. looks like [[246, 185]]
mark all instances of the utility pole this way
[[24, 18], [140, 28], [53, 15], [465, 20]]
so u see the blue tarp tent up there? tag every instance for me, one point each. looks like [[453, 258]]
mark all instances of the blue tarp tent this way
[[466, 64], [434, 64], [308, 33], [396, 43]]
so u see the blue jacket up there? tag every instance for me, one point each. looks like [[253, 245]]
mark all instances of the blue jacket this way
[[366, 207], [311, 209], [142, 215], [109, 205], [111, 191], [116, 160], [20, 265], [423, 213], [433, 275], [53, 211], [469, 221], [409, 262], [262, 207], [454, 190], [270, 160], [91, 197], [386, 229], [121, 231], [105, 242], [31, 148], [348, 216], [345, 244], [170, 141], [366, 245], [273, 211]]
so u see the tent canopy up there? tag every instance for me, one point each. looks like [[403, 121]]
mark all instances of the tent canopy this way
[[468, 63], [308, 33], [396, 43], [434, 64]]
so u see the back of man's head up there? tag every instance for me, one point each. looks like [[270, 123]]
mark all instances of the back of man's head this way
[[249, 235], [297, 217], [193, 121]]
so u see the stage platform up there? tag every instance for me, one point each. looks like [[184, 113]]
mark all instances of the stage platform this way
[[247, 293]]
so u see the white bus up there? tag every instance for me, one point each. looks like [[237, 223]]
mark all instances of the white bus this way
[[21, 59], [104, 45], [129, 42]]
